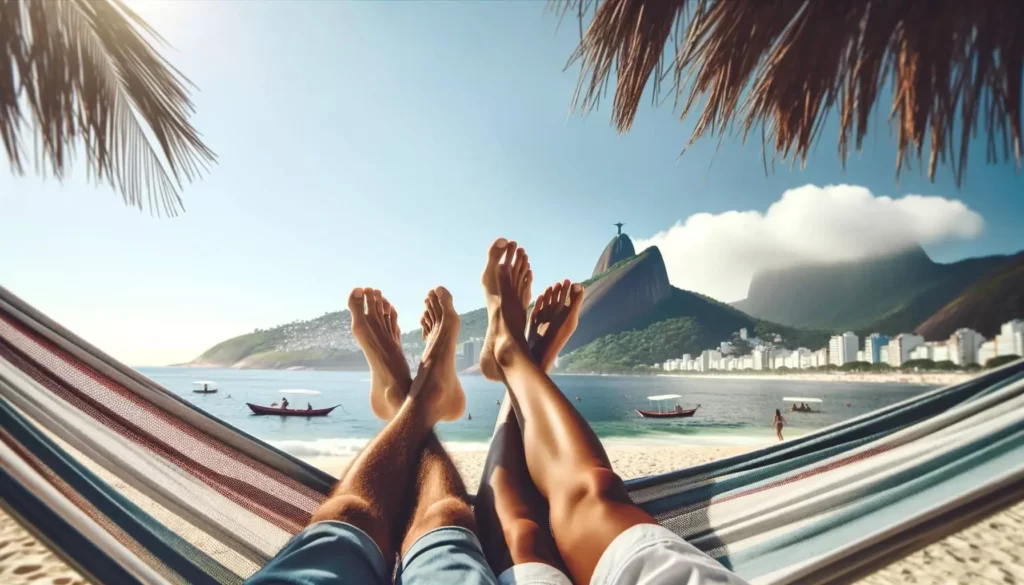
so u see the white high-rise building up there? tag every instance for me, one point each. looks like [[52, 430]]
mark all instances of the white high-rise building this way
[[873, 345], [760, 359], [941, 351], [743, 334], [963, 346], [901, 346], [921, 352], [883, 355], [986, 352], [821, 357], [842, 348], [1010, 340]]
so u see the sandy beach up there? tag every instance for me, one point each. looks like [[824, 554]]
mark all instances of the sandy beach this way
[[988, 553]]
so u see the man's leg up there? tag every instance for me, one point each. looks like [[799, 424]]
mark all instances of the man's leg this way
[[512, 514], [373, 493], [565, 458], [440, 545]]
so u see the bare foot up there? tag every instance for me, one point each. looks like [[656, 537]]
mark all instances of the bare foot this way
[[375, 327], [436, 382], [503, 255], [553, 320]]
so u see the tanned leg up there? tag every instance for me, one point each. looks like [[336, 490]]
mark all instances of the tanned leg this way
[[565, 458], [511, 513], [373, 494], [440, 493]]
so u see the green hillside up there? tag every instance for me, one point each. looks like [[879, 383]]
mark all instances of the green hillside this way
[[686, 322], [891, 294], [325, 342], [984, 307]]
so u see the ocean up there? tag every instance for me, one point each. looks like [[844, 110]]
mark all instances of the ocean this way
[[733, 411]]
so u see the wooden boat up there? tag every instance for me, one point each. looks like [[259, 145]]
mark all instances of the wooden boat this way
[[204, 387], [676, 412], [667, 413], [257, 409], [798, 400]]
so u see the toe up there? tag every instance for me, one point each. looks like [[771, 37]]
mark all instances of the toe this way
[[494, 254], [538, 308], [444, 297], [425, 325], [549, 296], [428, 314], [575, 297], [394, 324], [564, 293], [435, 305], [517, 266], [355, 306], [510, 255]]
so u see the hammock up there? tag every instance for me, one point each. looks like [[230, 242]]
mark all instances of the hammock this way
[[131, 484]]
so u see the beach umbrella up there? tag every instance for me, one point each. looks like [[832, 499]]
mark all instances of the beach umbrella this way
[[80, 75], [944, 69]]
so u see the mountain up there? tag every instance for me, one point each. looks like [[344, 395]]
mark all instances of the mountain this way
[[325, 342], [619, 249], [984, 306], [890, 294], [631, 316]]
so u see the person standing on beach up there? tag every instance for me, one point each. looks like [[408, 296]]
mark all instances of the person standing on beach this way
[[778, 422]]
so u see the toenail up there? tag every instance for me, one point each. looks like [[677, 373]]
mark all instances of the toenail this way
[[577, 287], [358, 293]]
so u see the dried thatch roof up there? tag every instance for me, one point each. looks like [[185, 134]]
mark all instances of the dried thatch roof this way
[[952, 67], [79, 73]]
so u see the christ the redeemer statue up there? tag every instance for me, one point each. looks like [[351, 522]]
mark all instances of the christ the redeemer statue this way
[[619, 225]]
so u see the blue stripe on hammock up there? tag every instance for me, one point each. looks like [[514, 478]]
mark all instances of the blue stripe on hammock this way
[[57, 534], [950, 475], [172, 550]]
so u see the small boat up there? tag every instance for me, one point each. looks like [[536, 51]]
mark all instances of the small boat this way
[[797, 401], [204, 387], [257, 409], [677, 412]]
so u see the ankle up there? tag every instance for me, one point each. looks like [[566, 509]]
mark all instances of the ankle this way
[[509, 350]]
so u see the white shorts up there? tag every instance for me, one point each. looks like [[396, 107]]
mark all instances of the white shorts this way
[[646, 554]]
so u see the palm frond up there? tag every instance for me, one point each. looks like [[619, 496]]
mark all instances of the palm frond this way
[[954, 68], [81, 73]]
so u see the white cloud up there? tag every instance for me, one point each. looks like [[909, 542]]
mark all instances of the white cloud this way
[[718, 254]]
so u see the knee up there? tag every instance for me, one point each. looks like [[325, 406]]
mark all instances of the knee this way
[[525, 538], [592, 486], [347, 508], [447, 512]]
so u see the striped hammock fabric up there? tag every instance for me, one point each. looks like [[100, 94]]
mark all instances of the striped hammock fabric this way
[[131, 484]]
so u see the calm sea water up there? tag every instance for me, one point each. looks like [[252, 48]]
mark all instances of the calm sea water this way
[[733, 411]]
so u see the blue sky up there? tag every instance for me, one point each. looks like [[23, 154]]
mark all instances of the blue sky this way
[[386, 144]]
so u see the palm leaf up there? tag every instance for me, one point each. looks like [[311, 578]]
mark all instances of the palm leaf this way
[[81, 73], [953, 67]]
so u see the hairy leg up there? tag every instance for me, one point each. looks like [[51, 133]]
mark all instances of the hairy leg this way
[[372, 494], [564, 457], [440, 493]]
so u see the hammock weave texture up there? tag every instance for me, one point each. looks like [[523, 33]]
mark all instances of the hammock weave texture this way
[[131, 484]]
